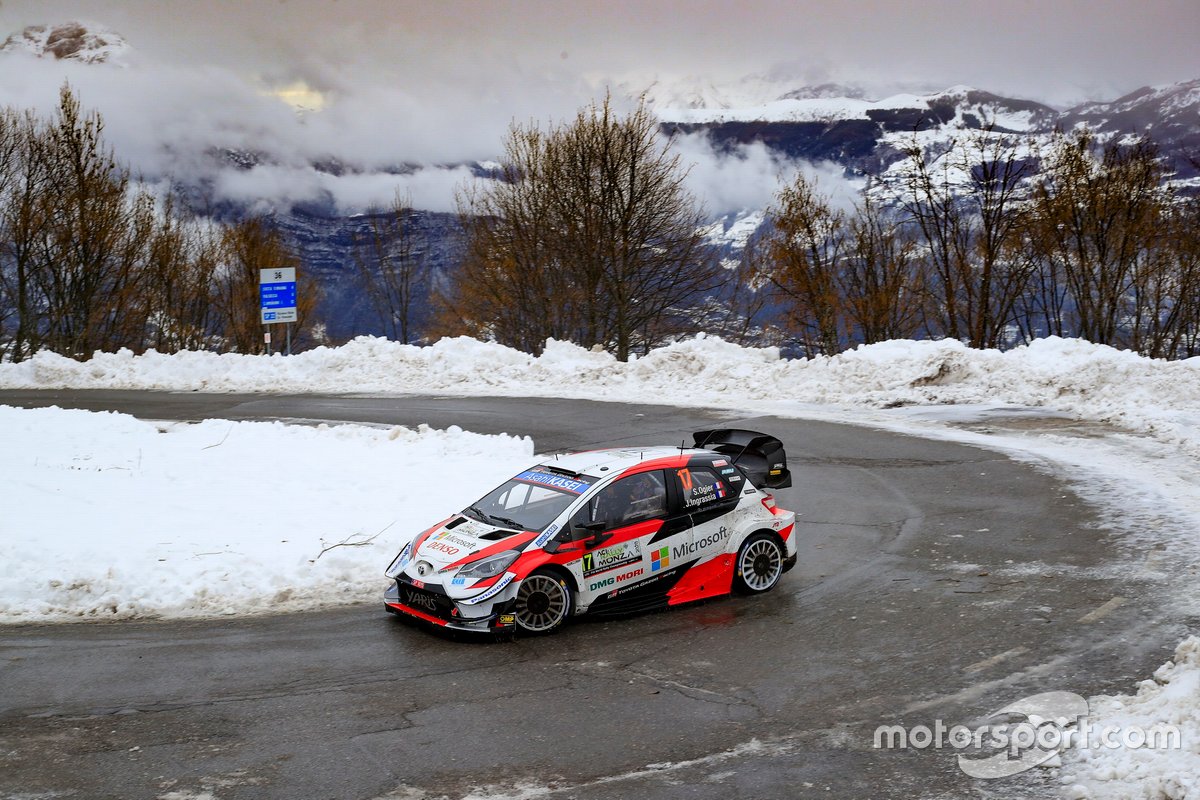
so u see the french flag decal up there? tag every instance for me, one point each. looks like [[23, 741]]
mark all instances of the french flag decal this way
[[720, 489]]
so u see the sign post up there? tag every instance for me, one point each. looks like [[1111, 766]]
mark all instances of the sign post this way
[[277, 300]]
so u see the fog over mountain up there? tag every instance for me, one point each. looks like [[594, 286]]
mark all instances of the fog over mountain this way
[[405, 95]]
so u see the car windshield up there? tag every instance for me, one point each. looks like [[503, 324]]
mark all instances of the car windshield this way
[[531, 500]]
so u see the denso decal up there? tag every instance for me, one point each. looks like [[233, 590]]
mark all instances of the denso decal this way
[[448, 549], [700, 544], [492, 590], [613, 557], [553, 481]]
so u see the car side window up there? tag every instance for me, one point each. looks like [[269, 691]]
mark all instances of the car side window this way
[[701, 488], [630, 500]]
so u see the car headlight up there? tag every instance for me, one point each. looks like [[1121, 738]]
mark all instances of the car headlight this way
[[490, 566], [400, 562]]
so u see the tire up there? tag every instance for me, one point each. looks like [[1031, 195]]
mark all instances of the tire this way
[[544, 603], [759, 564]]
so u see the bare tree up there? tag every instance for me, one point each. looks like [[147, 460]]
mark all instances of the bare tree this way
[[883, 285], [391, 268], [88, 261], [745, 312], [967, 202], [248, 247], [588, 235], [804, 255], [1162, 319], [22, 219], [181, 281], [10, 144], [1097, 208], [86, 264]]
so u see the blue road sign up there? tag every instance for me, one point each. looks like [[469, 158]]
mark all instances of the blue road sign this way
[[277, 294]]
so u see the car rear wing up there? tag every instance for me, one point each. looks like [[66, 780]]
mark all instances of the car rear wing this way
[[760, 456]]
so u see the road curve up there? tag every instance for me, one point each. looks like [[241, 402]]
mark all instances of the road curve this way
[[936, 581]]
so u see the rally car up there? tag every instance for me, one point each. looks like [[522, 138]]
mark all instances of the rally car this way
[[604, 532]]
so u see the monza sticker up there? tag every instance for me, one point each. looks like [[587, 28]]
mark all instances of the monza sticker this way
[[611, 558]]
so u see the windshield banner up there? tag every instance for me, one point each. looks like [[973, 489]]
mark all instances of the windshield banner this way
[[553, 481]]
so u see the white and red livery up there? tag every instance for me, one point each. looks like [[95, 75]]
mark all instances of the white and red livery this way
[[606, 531]]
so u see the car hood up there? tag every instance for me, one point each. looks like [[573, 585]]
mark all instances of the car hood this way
[[457, 539]]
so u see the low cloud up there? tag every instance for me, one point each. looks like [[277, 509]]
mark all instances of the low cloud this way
[[750, 176], [272, 187], [179, 121]]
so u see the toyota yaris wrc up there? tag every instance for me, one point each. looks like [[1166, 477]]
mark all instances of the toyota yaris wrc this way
[[604, 532]]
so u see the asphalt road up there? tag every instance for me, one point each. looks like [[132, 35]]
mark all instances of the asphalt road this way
[[935, 581]]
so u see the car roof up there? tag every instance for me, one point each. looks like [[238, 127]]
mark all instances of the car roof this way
[[602, 463]]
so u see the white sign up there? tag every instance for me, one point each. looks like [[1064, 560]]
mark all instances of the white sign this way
[[277, 294]]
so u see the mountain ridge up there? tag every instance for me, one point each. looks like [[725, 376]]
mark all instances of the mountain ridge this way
[[824, 122]]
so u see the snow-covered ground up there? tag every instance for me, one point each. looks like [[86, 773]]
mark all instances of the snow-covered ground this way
[[103, 516], [107, 516], [1156, 398], [1170, 698]]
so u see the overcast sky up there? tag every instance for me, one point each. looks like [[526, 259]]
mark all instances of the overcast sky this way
[[441, 80], [1058, 50]]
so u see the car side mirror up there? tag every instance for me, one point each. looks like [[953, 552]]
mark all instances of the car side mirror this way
[[599, 539], [596, 529]]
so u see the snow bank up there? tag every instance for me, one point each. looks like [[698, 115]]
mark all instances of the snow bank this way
[[225, 517], [1066, 375], [1172, 698], [105, 516]]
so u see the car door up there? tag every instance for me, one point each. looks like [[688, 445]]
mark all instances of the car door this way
[[615, 530], [707, 497]]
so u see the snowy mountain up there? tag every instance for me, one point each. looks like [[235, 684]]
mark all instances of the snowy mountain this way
[[75, 41], [705, 92], [866, 137], [960, 105], [782, 110], [1169, 114]]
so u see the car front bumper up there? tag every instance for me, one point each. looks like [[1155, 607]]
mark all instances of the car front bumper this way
[[500, 618]]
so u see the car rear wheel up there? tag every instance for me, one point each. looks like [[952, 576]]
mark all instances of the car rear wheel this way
[[759, 564], [543, 603]]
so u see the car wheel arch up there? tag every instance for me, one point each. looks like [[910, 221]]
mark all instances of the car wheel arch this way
[[559, 570], [740, 584], [735, 543]]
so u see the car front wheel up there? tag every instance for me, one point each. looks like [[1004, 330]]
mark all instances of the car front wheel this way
[[759, 564], [543, 603]]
